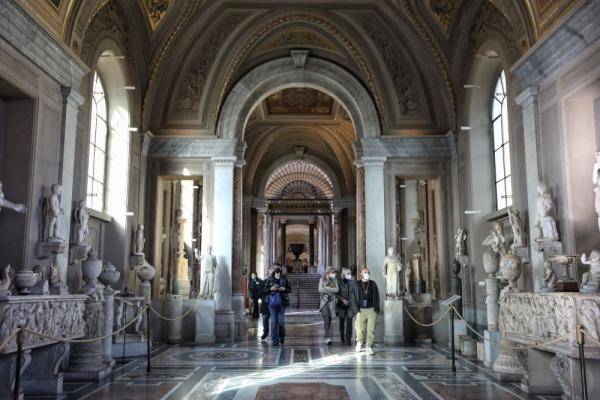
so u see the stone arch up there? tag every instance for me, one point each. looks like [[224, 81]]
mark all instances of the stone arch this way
[[283, 73]]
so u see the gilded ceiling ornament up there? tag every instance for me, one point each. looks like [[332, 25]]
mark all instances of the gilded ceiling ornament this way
[[108, 19], [443, 10], [155, 11]]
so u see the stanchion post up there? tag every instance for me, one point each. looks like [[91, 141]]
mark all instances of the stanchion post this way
[[581, 343], [451, 314], [124, 321], [149, 366], [17, 388]]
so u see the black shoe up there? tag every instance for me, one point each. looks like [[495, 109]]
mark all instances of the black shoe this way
[[342, 340], [282, 340], [263, 337], [275, 345]]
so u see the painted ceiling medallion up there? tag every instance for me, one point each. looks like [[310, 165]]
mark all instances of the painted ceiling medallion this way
[[299, 101], [155, 10]]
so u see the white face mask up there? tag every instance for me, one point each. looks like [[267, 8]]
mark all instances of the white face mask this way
[[366, 276], [332, 276], [348, 276]]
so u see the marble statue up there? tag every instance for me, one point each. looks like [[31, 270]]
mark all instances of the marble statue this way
[[140, 240], [514, 216], [392, 267], [545, 208], [52, 213], [4, 203], [5, 281], [549, 278], [208, 274], [590, 281], [496, 240], [460, 245], [596, 182], [597, 203], [81, 216]]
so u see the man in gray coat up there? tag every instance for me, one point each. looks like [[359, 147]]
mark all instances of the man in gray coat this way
[[346, 306]]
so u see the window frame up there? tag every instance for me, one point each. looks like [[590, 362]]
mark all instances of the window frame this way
[[504, 146], [93, 143]]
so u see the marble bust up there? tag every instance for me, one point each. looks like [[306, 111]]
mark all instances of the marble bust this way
[[52, 213], [545, 208], [590, 281], [392, 266], [4, 203], [208, 274], [460, 245]]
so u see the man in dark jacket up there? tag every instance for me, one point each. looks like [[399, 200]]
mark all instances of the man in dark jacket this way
[[254, 290], [347, 305], [367, 301], [265, 290], [279, 288]]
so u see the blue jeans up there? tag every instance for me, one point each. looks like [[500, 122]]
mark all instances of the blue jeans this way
[[277, 324]]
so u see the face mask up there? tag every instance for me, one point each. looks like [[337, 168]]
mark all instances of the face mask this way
[[332, 276], [348, 276], [366, 276]]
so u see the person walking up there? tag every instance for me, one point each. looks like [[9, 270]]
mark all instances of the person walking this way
[[254, 289], [346, 305], [265, 290], [328, 287], [367, 301], [279, 288]]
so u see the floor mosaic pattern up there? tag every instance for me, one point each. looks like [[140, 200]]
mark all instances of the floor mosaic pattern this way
[[304, 368]]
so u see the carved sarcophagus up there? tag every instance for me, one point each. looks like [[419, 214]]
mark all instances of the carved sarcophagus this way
[[536, 318], [55, 316]]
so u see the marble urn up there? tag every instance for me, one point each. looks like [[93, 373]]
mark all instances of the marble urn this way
[[490, 264], [510, 268], [24, 280], [109, 275], [91, 269], [145, 272]]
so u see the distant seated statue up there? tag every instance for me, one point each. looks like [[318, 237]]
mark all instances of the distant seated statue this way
[[4, 203], [545, 209], [81, 215], [139, 240], [52, 213], [549, 276], [591, 279]]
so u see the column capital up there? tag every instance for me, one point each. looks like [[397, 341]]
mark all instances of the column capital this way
[[224, 162], [372, 162], [527, 96]]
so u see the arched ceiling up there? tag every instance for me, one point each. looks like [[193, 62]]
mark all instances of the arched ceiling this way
[[409, 54], [298, 179]]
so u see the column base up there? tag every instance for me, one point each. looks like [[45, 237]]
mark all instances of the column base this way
[[491, 350], [224, 326], [238, 307], [393, 316], [507, 367], [97, 373], [205, 322]]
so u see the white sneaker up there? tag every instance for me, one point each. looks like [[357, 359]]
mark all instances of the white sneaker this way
[[327, 341], [358, 347], [370, 351]]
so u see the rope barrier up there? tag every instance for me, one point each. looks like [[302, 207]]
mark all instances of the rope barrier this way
[[589, 335], [431, 324], [69, 340], [9, 338], [182, 316], [509, 347]]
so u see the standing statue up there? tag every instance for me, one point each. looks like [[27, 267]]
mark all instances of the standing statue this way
[[392, 268], [52, 213], [20, 208], [496, 240], [460, 245], [5, 281], [596, 182], [140, 240], [549, 278], [590, 281], [208, 274], [517, 227], [545, 208], [81, 215]]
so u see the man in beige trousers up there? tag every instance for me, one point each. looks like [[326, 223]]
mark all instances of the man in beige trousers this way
[[367, 297]]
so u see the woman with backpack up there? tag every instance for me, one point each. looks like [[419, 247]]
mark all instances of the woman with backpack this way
[[279, 288]]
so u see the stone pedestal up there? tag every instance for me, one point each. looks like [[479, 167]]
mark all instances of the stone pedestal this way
[[507, 367], [460, 329], [469, 347], [237, 305], [224, 326], [87, 359], [491, 350], [174, 309], [393, 315], [492, 290], [205, 321], [46, 377], [423, 314], [538, 377], [108, 313]]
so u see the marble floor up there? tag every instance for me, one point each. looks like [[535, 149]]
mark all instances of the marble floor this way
[[304, 368]]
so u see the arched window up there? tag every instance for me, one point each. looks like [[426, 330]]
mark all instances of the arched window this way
[[98, 145], [501, 144]]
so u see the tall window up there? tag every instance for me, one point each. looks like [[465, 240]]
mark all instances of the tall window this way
[[501, 144], [98, 140]]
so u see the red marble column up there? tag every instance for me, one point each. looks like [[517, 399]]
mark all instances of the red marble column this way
[[236, 259]]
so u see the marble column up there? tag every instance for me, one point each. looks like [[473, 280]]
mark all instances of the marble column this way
[[72, 100], [337, 239], [527, 100], [260, 244], [108, 313], [375, 217], [361, 250], [223, 174], [311, 243], [266, 245], [283, 241]]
